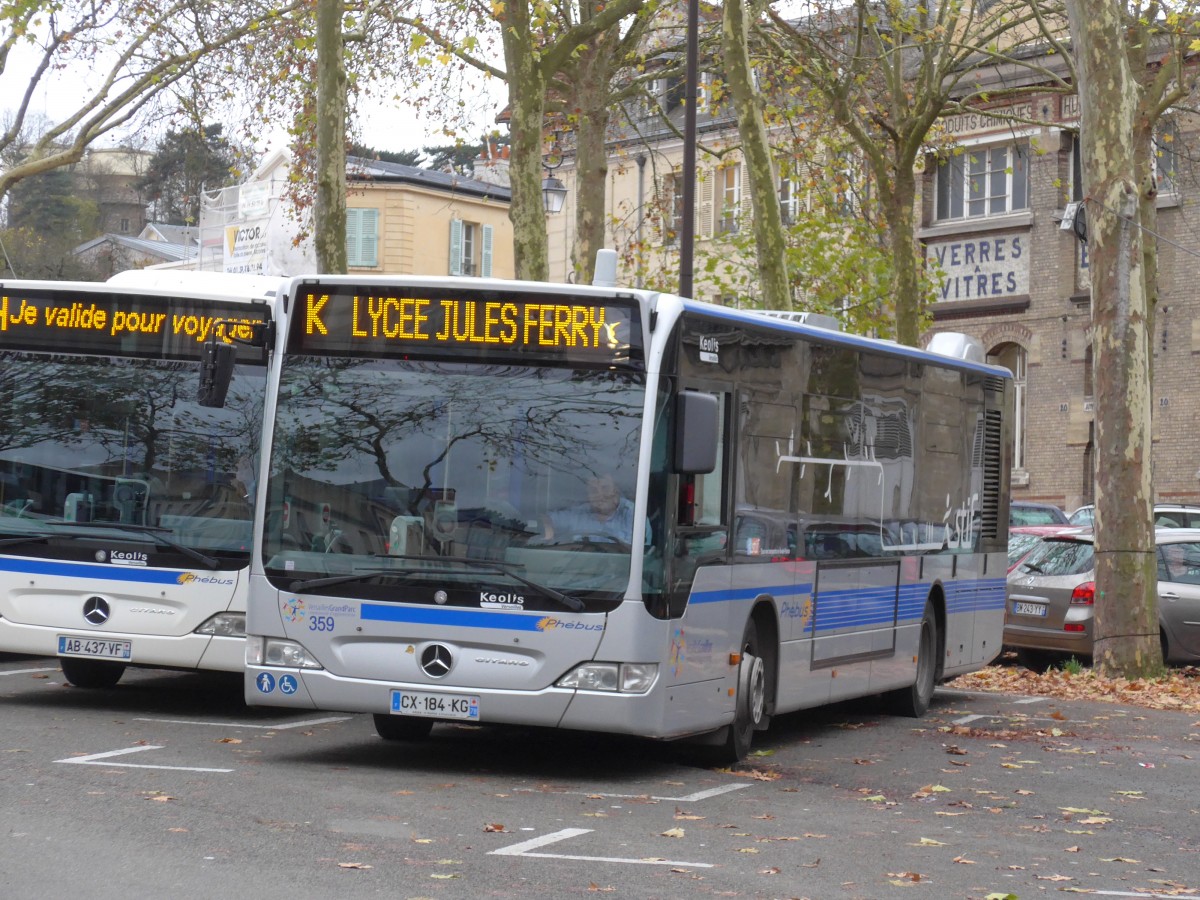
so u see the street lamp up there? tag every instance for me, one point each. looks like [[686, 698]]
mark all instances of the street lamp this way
[[554, 192]]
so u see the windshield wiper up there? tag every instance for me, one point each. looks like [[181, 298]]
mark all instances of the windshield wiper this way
[[34, 538], [572, 603], [158, 533]]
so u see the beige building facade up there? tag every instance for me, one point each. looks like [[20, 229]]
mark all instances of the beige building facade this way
[[399, 219]]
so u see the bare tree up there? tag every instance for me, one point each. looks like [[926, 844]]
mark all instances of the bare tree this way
[[140, 53], [1131, 68]]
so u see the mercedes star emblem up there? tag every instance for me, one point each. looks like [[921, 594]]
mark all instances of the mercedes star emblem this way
[[436, 660], [95, 610]]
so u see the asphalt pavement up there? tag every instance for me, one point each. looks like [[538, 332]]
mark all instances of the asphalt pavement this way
[[168, 785]]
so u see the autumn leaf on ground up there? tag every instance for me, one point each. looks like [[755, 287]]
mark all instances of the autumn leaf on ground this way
[[679, 814], [594, 888], [902, 877], [964, 860], [758, 774], [773, 870], [672, 833], [495, 828], [929, 842], [161, 798], [229, 740], [353, 865]]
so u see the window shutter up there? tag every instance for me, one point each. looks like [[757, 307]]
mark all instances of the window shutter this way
[[485, 265], [704, 208], [353, 218], [362, 237], [369, 238], [456, 229]]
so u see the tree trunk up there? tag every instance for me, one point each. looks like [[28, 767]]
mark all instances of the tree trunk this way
[[898, 206], [329, 213], [591, 161], [1125, 628], [527, 104], [769, 241]]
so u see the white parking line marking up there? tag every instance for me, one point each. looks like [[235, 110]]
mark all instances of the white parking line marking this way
[[282, 727], [1028, 700], [96, 759], [690, 798], [965, 719], [524, 848], [28, 671]]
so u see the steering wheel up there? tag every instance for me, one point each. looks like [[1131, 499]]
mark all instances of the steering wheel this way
[[592, 542]]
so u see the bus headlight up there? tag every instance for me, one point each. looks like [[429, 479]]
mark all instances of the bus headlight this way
[[224, 625], [626, 678], [276, 652]]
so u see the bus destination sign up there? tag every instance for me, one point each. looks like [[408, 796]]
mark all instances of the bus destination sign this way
[[397, 322], [129, 324]]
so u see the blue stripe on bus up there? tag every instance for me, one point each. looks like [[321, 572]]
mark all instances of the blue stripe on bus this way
[[466, 618], [86, 570], [857, 607]]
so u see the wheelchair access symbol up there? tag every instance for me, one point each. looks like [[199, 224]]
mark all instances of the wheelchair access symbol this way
[[265, 682], [287, 684]]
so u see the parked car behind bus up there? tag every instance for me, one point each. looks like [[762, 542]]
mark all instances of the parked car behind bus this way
[[1051, 597]]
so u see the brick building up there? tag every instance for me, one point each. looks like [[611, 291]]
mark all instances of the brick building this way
[[1016, 277]]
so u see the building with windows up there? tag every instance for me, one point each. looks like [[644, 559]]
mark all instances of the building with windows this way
[[1011, 271], [400, 219], [996, 219]]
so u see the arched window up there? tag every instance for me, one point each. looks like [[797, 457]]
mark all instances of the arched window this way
[[1013, 357]]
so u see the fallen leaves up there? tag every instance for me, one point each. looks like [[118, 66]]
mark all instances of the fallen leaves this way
[[1178, 689]]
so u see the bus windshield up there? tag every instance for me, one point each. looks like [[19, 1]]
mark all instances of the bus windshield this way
[[462, 483], [117, 449]]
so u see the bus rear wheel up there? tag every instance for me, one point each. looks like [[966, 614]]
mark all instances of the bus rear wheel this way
[[91, 673], [402, 728], [913, 701]]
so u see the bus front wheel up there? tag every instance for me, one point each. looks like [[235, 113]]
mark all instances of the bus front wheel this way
[[91, 673], [750, 709], [914, 700], [402, 728]]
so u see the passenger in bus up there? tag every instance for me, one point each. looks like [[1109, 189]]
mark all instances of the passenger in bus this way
[[243, 482], [606, 514]]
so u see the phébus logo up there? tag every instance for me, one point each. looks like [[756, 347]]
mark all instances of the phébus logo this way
[[193, 578], [549, 623]]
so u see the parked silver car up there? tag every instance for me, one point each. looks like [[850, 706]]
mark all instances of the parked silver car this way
[[1166, 515], [1051, 597]]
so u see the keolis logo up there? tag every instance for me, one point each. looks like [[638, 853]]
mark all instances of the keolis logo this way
[[490, 600]]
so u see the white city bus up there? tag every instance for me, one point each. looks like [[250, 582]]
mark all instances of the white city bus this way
[[125, 530], [806, 516]]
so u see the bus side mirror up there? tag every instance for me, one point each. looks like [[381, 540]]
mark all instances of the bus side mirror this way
[[697, 431], [216, 371]]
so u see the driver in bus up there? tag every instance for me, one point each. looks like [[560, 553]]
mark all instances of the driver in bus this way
[[606, 514]]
